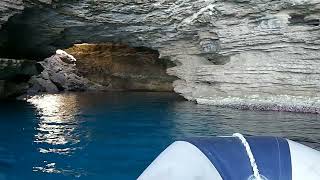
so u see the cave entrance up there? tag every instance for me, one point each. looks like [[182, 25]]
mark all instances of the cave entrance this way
[[118, 67], [114, 66]]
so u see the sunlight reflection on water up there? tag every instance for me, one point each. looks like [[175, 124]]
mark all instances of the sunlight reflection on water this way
[[56, 131], [57, 122]]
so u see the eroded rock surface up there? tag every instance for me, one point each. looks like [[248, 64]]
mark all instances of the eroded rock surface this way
[[225, 50], [57, 76], [14, 75], [119, 67], [8, 8]]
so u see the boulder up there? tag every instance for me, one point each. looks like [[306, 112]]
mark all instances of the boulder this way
[[57, 76]]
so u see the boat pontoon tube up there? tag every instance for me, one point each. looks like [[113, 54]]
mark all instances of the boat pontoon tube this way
[[226, 158]]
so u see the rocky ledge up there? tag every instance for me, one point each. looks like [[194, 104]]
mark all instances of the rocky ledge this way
[[228, 53]]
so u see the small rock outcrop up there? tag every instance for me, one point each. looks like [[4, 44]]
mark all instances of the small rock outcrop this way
[[59, 75]]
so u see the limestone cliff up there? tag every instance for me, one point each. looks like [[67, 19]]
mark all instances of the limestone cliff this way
[[240, 53]]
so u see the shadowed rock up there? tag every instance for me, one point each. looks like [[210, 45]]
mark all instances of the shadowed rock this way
[[59, 76], [14, 75]]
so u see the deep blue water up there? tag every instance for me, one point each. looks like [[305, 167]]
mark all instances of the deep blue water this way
[[115, 136]]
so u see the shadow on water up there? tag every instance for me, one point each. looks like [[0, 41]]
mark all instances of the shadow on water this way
[[116, 135]]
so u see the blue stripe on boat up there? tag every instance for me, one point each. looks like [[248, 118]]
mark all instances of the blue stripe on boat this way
[[229, 156]]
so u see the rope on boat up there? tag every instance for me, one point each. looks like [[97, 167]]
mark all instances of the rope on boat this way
[[253, 163]]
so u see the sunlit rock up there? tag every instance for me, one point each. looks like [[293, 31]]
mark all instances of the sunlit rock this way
[[65, 57], [120, 67]]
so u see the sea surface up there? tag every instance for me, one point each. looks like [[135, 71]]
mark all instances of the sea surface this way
[[115, 136]]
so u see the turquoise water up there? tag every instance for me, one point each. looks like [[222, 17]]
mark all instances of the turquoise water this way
[[115, 136]]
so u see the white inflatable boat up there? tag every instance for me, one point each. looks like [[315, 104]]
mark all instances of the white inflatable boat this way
[[235, 158]]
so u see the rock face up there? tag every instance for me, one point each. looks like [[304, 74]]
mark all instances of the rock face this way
[[14, 75], [240, 53], [8, 8], [119, 67], [58, 75]]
